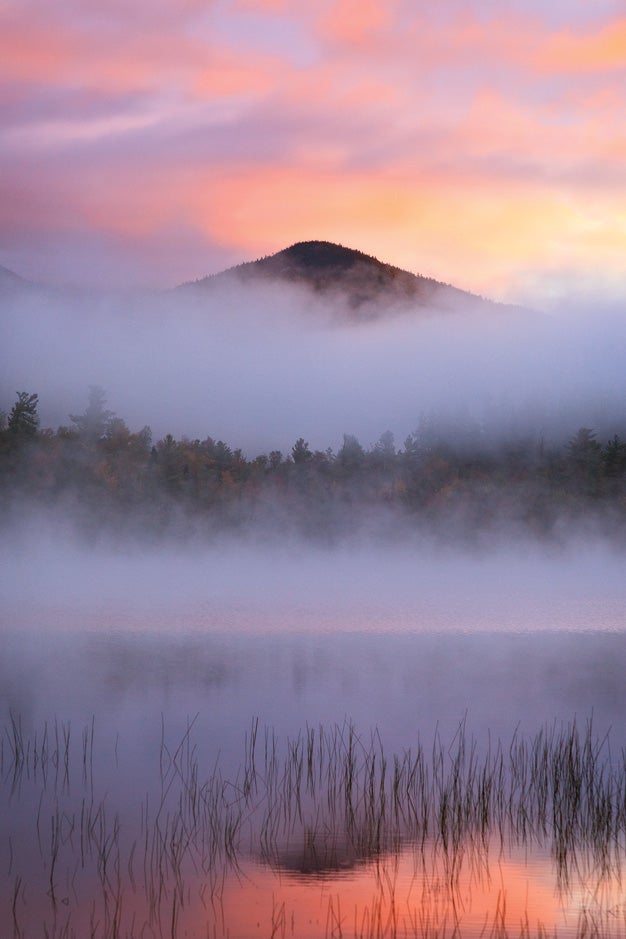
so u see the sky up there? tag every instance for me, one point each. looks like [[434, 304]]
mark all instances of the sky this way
[[482, 143]]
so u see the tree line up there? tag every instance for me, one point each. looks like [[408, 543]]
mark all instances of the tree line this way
[[462, 485]]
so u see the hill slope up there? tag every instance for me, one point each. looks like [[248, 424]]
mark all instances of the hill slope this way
[[368, 286], [10, 282]]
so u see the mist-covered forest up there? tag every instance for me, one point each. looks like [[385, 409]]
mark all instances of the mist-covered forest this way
[[463, 484]]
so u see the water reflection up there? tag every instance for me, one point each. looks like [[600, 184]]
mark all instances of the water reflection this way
[[414, 894], [324, 834], [402, 684], [168, 777]]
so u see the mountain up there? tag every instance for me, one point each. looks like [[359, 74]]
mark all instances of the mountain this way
[[10, 282], [368, 287]]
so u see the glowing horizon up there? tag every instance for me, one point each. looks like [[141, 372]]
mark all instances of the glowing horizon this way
[[479, 144]]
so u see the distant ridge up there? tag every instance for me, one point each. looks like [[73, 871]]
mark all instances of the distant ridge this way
[[367, 284], [10, 281]]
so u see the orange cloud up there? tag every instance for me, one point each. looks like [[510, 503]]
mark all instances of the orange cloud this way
[[476, 231], [555, 139], [603, 51], [448, 144]]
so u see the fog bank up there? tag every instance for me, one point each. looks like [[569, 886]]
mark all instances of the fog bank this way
[[261, 366], [50, 578]]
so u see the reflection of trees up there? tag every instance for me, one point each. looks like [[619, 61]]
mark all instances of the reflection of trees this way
[[325, 855], [438, 834], [335, 800], [127, 664]]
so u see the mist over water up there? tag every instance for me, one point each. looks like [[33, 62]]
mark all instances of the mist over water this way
[[129, 623], [260, 366], [403, 637], [298, 586]]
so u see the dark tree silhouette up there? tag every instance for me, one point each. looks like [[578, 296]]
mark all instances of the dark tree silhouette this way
[[351, 455], [614, 457], [300, 451], [23, 419]]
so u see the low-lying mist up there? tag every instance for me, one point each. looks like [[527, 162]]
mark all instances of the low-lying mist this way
[[50, 575], [472, 426], [414, 525], [261, 366], [406, 638]]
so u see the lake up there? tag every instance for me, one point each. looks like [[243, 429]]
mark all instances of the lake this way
[[247, 741]]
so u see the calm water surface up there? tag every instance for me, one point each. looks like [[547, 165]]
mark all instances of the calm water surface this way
[[137, 712]]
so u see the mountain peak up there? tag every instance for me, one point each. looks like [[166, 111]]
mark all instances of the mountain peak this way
[[368, 287], [323, 254], [321, 261]]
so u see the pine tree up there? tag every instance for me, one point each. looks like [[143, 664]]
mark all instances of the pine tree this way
[[23, 419]]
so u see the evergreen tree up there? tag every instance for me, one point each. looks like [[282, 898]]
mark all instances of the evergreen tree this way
[[351, 455], [614, 457], [300, 451], [23, 419], [95, 421]]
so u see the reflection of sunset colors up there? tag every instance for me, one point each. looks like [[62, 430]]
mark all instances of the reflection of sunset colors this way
[[397, 898], [324, 836], [470, 142]]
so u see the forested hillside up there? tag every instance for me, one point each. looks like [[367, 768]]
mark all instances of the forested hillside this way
[[105, 477], [369, 288]]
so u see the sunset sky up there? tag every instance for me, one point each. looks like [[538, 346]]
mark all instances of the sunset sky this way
[[479, 142]]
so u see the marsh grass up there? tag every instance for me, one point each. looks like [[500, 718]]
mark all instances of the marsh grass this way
[[317, 807]]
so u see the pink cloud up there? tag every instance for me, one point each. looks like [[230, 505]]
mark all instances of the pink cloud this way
[[554, 139], [450, 132], [226, 74], [271, 7], [356, 22], [601, 51], [31, 54]]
